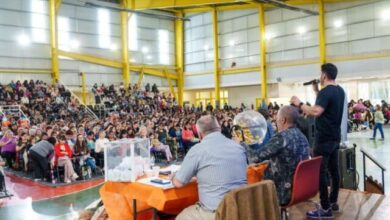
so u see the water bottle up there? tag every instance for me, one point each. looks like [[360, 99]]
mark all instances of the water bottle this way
[[89, 173], [53, 180], [152, 161]]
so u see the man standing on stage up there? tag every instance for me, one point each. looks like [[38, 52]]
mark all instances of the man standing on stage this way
[[328, 111]]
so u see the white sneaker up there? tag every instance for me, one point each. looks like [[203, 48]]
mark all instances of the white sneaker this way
[[75, 176], [68, 181]]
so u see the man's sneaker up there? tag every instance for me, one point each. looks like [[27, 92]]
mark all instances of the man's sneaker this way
[[320, 214], [335, 207]]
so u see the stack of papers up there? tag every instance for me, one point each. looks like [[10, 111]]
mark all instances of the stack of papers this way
[[148, 181], [172, 169]]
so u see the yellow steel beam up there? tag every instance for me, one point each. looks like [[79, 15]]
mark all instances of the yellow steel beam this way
[[91, 59], [153, 72], [154, 67], [55, 66], [140, 78], [179, 40], [83, 88], [263, 62], [58, 5], [240, 70], [125, 44], [25, 71], [359, 57], [189, 6], [321, 26], [216, 57], [164, 4]]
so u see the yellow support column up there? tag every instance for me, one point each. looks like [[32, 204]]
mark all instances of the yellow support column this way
[[125, 45], [170, 84], [55, 66], [83, 87], [321, 26], [179, 30], [263, 61], [216, 57], [140, 78]]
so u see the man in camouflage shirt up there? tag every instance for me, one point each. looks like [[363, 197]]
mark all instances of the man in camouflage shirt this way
[[284, 151]]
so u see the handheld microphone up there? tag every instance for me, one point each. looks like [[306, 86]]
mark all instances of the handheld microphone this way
[[314, 81]]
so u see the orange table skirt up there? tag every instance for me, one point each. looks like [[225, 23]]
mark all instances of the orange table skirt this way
[[117, 197]]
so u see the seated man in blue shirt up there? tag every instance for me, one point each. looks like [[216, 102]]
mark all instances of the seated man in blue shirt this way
[[218, 163]]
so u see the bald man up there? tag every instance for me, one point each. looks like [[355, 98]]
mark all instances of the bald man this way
[[284, 151], [218, 163]]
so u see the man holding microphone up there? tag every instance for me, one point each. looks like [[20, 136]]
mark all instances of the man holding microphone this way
[[328, 111]]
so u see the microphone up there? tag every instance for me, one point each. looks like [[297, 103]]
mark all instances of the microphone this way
[[314, 81]]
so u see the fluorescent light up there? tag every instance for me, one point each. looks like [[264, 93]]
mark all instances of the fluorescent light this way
[[385, 15], [338, 23], [24, 40], [74, 44], [132, 60], [232, 43], [268, 36], [145, 50], [114, 47], [301, 30], [148, 57], [206, 47]]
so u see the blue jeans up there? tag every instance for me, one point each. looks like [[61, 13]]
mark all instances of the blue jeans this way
[[380, 127]]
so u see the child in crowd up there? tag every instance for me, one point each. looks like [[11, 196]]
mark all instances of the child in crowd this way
[[379, 121], [158, 146]]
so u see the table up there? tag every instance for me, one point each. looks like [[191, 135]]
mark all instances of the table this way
[[120, 198]]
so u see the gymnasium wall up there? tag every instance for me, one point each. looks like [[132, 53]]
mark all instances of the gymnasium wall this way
[[25, 41], [357, 41]]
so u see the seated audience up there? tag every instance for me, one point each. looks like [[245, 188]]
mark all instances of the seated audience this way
[[158, 146], [219, 165], [284, 151], [99, 147], [63, 159], [22, 149], [8, 148], [82, 155]]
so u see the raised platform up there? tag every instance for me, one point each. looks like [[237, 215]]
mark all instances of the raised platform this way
[[353, 205]]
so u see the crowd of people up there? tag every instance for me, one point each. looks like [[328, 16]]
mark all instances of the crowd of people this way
[[55, 130], [60, 133]]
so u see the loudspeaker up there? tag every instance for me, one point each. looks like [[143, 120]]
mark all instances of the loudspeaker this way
[[347, 167]]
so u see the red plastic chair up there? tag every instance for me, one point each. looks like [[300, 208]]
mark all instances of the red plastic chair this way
[[305, 183]]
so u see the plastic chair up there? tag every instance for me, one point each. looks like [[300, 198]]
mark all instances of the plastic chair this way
[[302, 188]]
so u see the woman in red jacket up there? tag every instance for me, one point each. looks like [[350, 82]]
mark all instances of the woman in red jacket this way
[[63, 159], [188, 137]]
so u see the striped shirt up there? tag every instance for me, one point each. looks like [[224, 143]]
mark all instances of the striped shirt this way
[[219, 164]]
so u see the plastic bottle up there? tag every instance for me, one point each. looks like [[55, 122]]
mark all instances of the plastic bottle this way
[[53, 180]]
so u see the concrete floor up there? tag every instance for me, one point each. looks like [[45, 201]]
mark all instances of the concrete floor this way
[[66, 206]]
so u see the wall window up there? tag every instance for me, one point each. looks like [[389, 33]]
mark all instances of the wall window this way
[[38, 21], [163, 44], [133, 32], [104, 29], [63, 32]]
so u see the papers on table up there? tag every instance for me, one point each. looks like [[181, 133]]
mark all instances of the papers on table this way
[[148, 181], [172, 168]]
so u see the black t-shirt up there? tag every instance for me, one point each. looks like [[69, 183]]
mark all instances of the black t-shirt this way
[[331, 99]]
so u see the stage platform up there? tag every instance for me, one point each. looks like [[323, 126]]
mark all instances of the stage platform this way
[[353, 205]]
